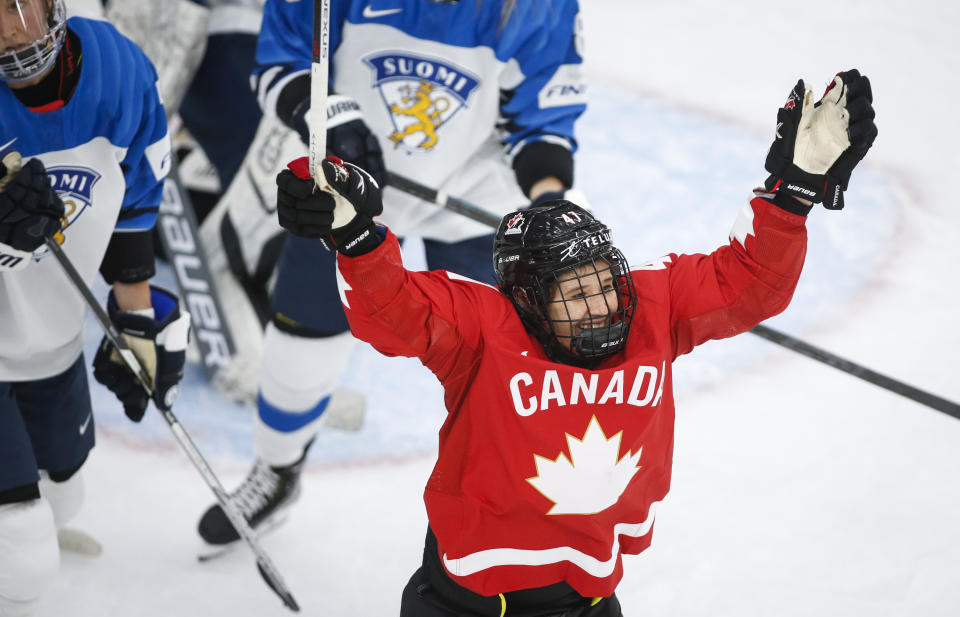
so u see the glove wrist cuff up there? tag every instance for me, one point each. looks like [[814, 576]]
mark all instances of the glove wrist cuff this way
[[800, 184], [357, 238], [785, 201]]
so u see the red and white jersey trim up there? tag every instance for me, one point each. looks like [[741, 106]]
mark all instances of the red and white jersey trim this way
[[482, 560]]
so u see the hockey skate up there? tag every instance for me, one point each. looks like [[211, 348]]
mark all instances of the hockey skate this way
[[263, 499]]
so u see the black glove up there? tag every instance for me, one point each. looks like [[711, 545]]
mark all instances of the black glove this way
[[30, 210], [160, 347], [818, 145], [343, 221], [543, 198], [348, 137]]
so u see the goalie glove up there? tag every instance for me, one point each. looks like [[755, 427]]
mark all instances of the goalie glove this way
[[817, 145], [160, 347], [30, 210], [342, 220]]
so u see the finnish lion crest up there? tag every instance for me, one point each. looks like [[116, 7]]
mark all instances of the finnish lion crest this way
[[74, 185], [422, 95]]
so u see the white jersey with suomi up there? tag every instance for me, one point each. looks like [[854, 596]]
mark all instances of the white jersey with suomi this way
[[445, 140], [106, 153], [452, 92]]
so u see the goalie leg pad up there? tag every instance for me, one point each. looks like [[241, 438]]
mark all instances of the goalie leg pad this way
[[28, 544], [172, 34], [297, 378]]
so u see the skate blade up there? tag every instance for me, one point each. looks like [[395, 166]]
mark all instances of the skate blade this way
[[210, 552], [78, 542]]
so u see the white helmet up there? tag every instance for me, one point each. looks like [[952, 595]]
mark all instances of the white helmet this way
[[31, 33]]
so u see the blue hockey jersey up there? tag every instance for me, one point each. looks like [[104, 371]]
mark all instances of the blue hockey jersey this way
[[453, 91], [107, 152]]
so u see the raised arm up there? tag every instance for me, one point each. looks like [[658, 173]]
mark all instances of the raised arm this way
[[417, 314], [816, 147]]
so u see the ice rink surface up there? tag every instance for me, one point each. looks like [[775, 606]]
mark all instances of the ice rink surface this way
[[798, 490]]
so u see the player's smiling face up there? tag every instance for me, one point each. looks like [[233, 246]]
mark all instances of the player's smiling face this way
[[22, 22], [585, 297]]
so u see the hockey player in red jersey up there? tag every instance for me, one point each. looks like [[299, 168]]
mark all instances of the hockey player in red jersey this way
[[559, 440]]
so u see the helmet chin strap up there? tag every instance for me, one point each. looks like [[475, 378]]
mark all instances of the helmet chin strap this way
[[594, 342]]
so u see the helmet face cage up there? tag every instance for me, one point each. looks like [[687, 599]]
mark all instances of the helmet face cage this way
[[589, 307], [570, 286], [40, 26]]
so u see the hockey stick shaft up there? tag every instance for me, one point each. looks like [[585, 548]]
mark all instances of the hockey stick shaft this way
[[319, 74], [264, 564], [888, 383], [933, 401], [101, 316], [463, 208]]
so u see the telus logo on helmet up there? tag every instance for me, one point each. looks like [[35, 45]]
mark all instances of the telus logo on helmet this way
[[595, 240]]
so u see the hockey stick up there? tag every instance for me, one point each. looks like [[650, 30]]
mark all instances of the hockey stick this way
[[267, 570], [319, 74], [915, 394], [933, 401], [463, 208]]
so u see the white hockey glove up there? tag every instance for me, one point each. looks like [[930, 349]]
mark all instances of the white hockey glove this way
[[30, 210], [817, 145], [160, 346], [344, 220]]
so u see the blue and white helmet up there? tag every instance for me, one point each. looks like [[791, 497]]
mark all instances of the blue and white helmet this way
[[31, 34]]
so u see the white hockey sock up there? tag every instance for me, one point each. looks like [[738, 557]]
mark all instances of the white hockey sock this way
[[297, 377], [29, 556], [65, 498]]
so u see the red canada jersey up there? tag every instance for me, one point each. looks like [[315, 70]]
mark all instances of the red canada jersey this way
[[549, 472]]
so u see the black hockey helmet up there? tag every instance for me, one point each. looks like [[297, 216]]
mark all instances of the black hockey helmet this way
[[535, 250]]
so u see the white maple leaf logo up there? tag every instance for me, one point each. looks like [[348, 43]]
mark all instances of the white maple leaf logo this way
[[592, 479]]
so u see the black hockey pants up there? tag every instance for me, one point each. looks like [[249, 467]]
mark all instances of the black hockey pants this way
[[431, 593]]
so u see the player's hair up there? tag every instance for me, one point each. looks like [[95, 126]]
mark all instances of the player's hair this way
[[537, 248]]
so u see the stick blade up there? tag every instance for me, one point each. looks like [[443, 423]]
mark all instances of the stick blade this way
[[285, 595]]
